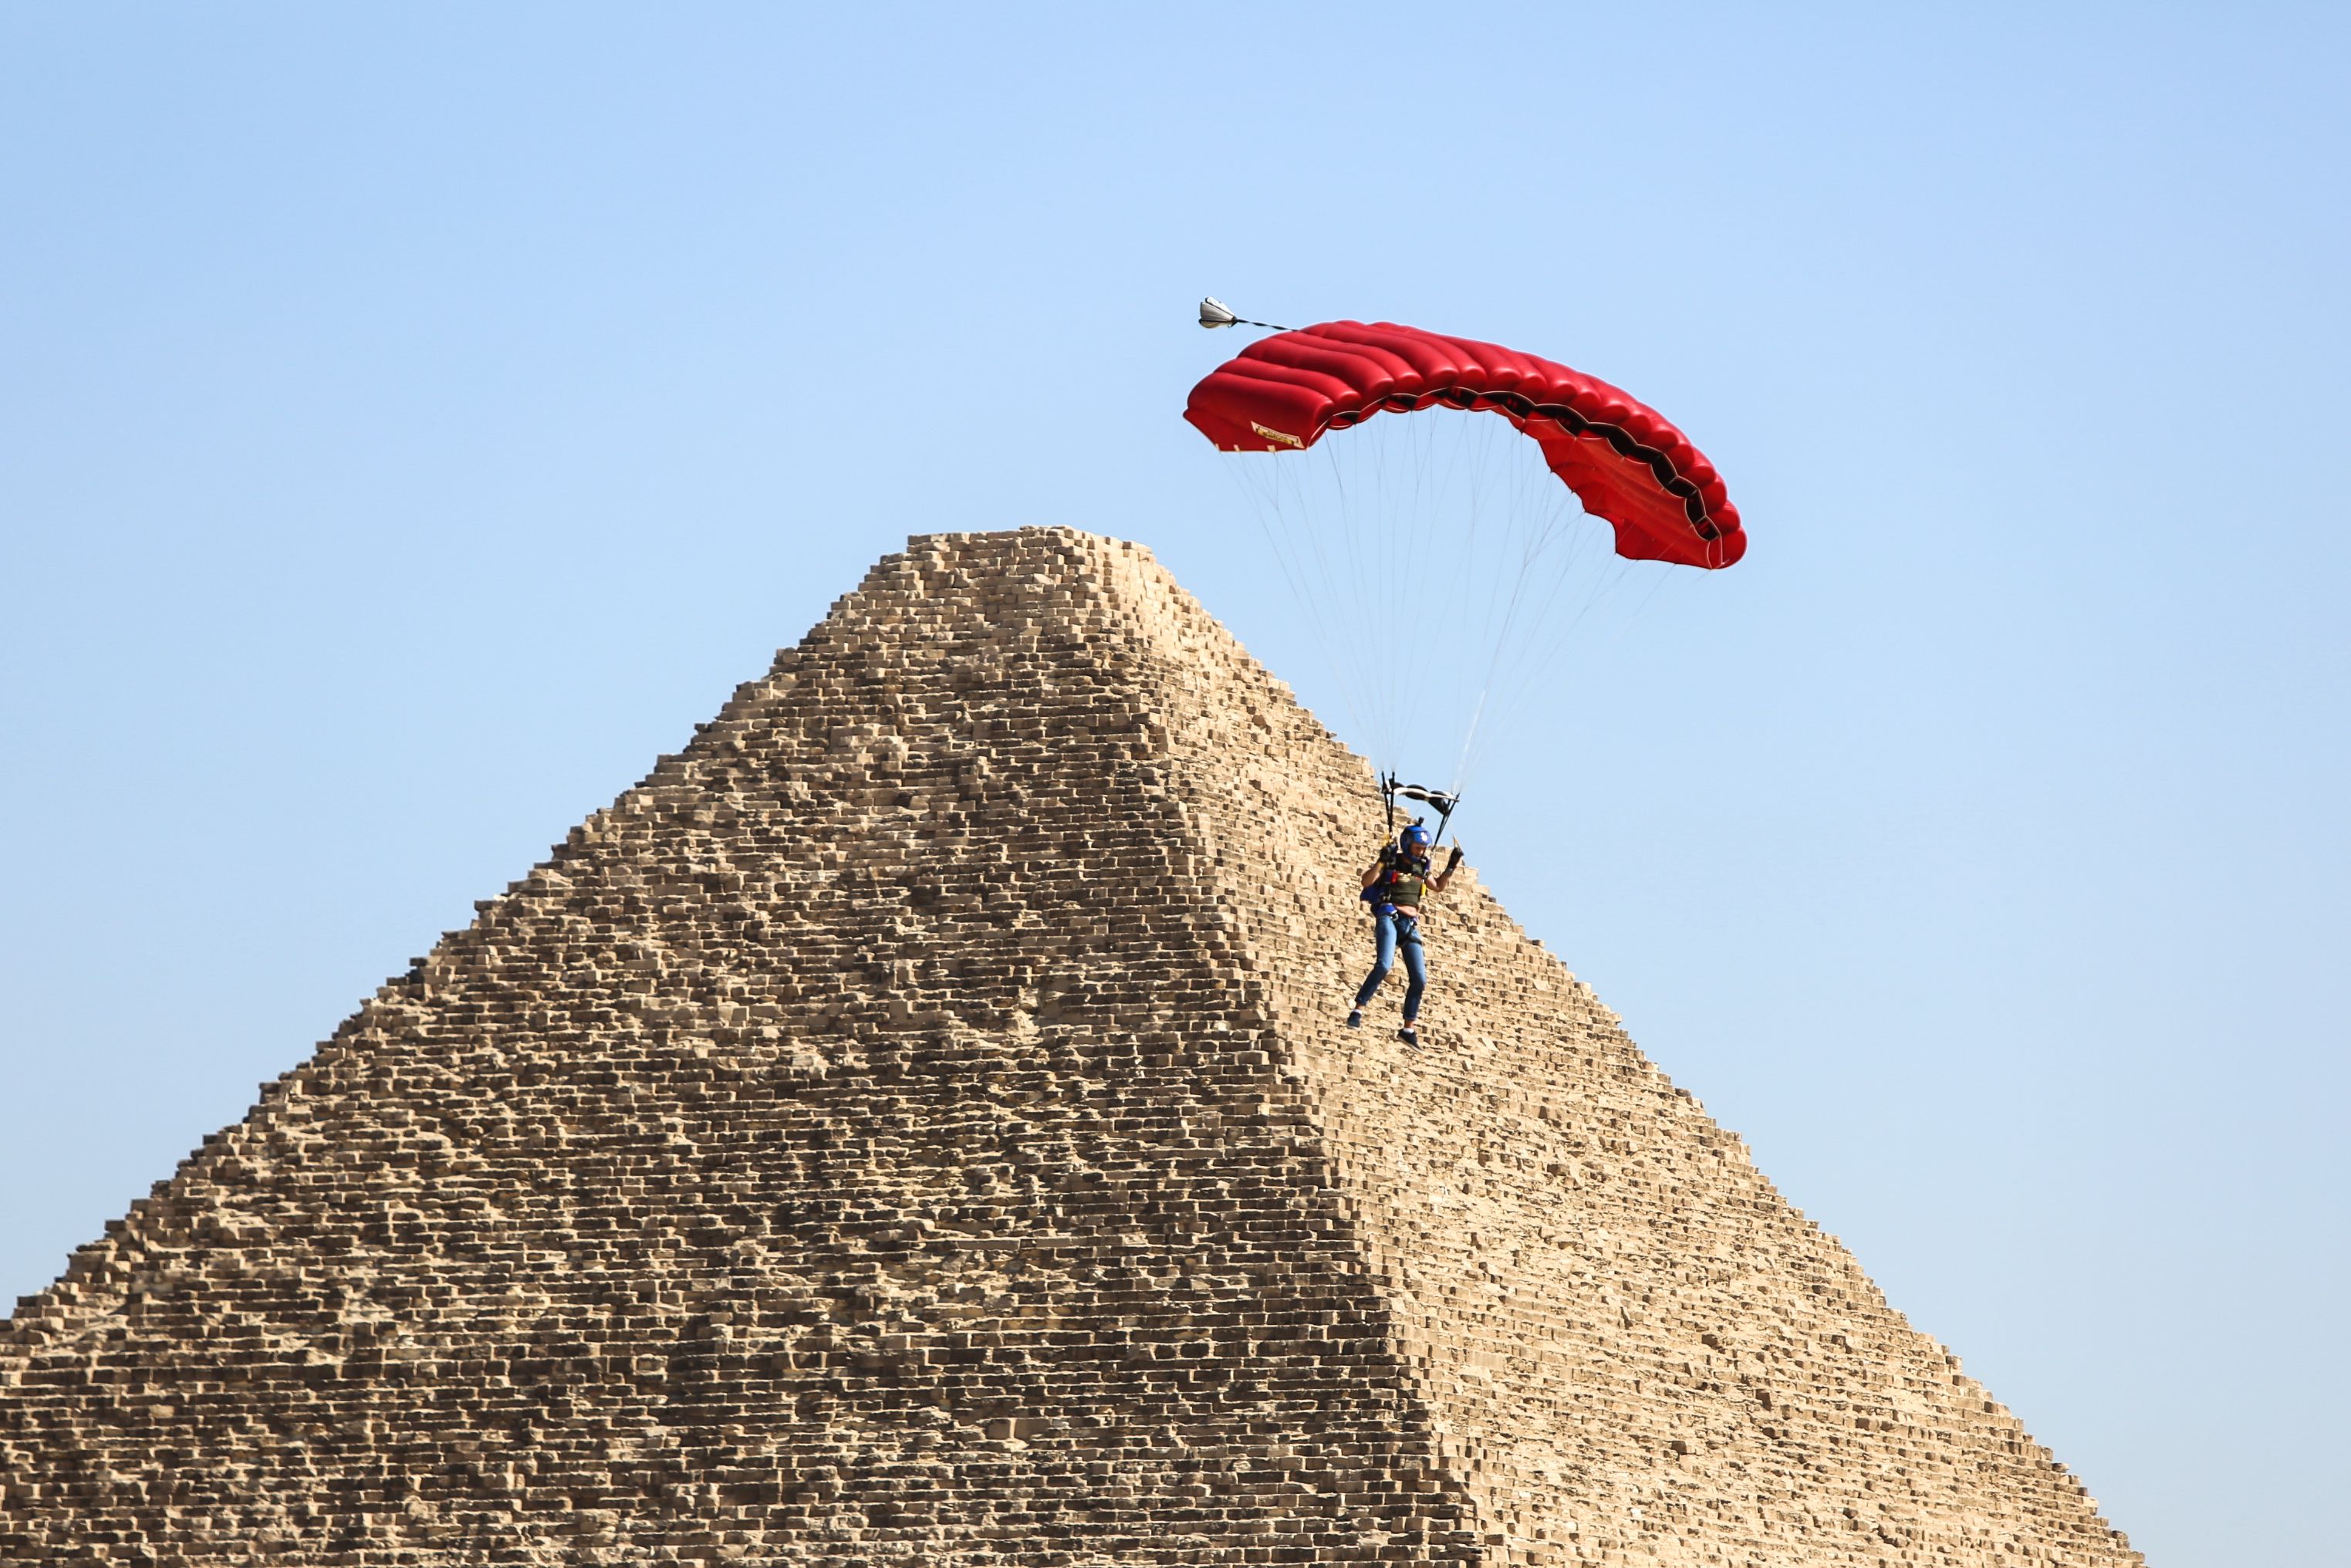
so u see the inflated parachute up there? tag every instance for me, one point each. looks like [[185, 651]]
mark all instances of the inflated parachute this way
[[1447, 573], [1625, 461]]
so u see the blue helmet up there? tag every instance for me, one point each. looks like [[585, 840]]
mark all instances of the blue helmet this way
[[1415, 839]]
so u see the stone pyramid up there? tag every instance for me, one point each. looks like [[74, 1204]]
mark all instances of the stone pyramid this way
[[914, 1127]]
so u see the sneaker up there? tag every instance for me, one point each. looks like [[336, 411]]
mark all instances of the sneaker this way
[[1355, 1019], [1409, 1035]]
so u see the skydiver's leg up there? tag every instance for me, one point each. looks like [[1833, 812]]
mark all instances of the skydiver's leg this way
[[1415, 968], [1383, 935]]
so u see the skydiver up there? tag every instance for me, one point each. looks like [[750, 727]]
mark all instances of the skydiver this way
[[1394, 885]]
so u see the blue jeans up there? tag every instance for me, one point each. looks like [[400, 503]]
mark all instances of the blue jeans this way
[[1400, 931]]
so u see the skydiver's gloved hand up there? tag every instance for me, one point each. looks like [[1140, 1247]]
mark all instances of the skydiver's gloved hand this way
[[1454, 864]]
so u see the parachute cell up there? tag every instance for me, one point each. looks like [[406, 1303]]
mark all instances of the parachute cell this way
[[1625, 461]]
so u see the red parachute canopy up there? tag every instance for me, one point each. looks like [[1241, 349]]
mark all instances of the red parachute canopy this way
[[1623, 459]]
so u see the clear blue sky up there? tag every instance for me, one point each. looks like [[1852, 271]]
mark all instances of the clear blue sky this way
[[413, 420]]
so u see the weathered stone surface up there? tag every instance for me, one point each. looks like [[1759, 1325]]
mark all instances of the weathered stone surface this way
[[913, 1126]]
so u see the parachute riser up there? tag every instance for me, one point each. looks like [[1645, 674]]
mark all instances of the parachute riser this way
[[1444, 818], [1445, 804]]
